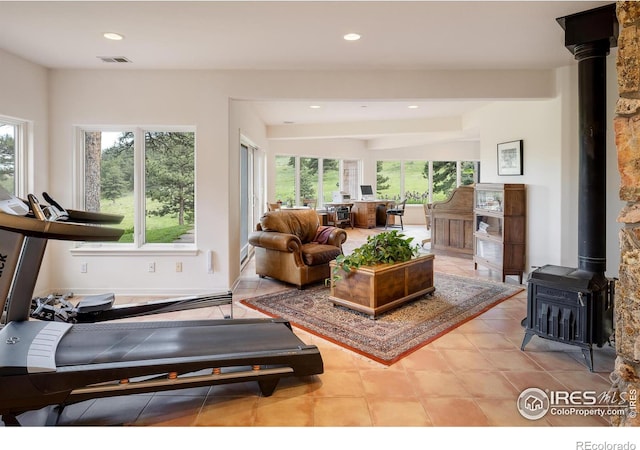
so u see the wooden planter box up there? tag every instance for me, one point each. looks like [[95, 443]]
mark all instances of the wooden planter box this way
[[376, 289]]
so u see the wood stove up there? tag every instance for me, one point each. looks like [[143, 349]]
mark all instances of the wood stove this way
[[571, 306], [575, 305]]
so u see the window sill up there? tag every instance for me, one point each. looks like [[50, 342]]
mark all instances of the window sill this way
[[127, 250]]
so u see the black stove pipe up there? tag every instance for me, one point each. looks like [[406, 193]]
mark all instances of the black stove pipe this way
[[588, 36], [593, 156]]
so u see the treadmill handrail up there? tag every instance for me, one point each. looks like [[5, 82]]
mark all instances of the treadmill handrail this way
[[65, 231]]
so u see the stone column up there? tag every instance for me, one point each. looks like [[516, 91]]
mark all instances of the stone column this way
[[625, 377]]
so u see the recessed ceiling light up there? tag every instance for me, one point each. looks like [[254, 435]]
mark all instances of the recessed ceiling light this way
[[351, 37], [113, 36], [413, 107], [315, 106]]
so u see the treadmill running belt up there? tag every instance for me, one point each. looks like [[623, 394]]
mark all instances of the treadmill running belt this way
[[87, 344]]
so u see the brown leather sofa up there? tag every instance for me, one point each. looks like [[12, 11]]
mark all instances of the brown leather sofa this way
[[292, 246]]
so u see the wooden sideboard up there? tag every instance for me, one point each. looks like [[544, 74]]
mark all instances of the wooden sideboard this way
[[371, 213], [452, 223]]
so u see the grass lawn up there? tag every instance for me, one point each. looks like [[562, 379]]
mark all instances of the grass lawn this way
[[159, 229]]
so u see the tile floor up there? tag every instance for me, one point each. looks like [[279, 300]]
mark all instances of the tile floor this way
[[470, 377]]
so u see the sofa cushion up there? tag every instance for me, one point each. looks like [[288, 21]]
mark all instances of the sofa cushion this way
[[315, 254], [303, 223]]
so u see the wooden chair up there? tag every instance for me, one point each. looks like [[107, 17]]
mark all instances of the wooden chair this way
[[273, 206], [397, 211]]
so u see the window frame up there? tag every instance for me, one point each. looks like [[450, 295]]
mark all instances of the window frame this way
[[430, 180], [320, 187], [22, 150], [138, 246]]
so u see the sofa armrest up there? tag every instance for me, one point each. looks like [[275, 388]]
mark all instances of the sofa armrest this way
[[273, 240], [337, 237]]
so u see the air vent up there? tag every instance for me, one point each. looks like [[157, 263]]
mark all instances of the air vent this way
[[114, 59]]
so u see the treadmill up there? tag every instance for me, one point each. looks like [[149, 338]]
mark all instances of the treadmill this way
[[54, 364]]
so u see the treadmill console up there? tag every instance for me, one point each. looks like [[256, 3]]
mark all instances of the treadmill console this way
[[11, 204]]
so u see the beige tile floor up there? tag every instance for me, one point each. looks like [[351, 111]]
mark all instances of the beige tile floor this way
[[470, 377]]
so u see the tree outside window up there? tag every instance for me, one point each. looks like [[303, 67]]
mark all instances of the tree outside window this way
[[8, 156], [444, 179], [330, 179], [389, 180]]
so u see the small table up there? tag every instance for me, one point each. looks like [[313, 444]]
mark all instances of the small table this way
[[332, 208]]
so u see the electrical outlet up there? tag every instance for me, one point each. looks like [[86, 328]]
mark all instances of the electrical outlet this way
[[83, 267], [152, 267], [179, 266]]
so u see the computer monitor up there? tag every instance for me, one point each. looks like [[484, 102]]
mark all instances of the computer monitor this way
[[366, 190]]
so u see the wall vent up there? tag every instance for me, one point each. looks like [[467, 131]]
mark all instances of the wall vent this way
[[114, 59]]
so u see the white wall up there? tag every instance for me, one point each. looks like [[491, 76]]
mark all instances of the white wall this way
[[23, 96], [148, 98], [549, 129], [538, 125]]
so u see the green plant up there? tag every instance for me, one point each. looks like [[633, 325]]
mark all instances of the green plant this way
[[384, 248]]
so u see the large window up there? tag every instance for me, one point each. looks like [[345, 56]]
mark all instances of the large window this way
[[444, 179], [330, 179], [145, 175], [389, 180], [308, 180], [416, 181], [422, 181], [301, 178], [12, 151]]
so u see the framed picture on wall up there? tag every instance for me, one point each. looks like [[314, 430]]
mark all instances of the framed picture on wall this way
[[510, 158]]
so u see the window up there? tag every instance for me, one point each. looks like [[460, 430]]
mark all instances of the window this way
[[12, 155], [388, 180], [147, 176], [468, 172], [423, 181], [308, 179], [416, 182], [298, 178], [445, 179], [330, 179]]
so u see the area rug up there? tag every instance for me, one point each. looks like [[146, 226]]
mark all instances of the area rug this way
[[394, 334]]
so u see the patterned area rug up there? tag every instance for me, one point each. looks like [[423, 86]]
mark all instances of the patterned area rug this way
[[394, 334]]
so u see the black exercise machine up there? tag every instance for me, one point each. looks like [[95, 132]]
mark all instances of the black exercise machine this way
[[55, 364], [101, 307]]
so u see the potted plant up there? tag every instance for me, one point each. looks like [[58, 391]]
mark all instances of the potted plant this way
[[382, 274]]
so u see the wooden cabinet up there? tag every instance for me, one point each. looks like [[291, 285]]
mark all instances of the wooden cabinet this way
[[499, 228]]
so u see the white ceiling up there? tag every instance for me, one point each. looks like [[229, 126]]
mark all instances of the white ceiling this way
[[265, 35]]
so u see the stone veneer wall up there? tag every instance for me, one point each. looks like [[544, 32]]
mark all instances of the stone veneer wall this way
[[625, 377]]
